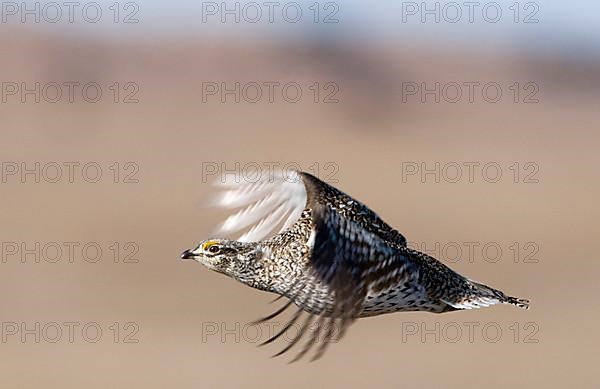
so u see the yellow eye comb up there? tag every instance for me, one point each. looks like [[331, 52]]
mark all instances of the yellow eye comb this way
[[206, 245]]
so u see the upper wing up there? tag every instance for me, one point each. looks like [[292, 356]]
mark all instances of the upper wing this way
[[320, 193], [267, 205], [273, 201]]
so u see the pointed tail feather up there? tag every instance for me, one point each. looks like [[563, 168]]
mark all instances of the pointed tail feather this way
[[489, 292], [482, 295], [521, 303]]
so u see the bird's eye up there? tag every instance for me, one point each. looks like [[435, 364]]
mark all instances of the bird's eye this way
[[214, 249]]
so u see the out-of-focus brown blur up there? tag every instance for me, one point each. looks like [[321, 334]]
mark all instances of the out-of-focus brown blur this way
[[478, 141]]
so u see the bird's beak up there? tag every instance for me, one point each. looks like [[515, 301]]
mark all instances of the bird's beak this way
[[188, 254]]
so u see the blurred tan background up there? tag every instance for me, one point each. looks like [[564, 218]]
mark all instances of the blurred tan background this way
[[167, 310]]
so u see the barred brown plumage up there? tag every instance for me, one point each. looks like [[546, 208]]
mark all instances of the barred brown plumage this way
[[331, 256]]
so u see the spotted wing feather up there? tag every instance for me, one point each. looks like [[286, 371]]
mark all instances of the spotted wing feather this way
[[353, 262], [353, 253]]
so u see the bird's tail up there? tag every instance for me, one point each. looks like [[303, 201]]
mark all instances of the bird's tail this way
[[521, 303], [481, 295], [485, 291]]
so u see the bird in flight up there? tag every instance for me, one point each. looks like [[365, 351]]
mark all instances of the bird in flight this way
[[329, 255]]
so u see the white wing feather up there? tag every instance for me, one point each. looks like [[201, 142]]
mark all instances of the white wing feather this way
[[267, 206], [476, 302]]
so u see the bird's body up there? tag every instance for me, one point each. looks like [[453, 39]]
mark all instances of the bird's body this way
[[333, 257], [287, 258]]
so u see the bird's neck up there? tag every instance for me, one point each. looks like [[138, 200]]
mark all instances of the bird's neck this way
[[250, 270], [280, 270]]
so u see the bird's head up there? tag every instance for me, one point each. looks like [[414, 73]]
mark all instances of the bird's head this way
[[229, 257]]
